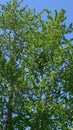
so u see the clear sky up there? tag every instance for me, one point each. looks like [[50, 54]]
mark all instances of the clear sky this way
[[51, 5]]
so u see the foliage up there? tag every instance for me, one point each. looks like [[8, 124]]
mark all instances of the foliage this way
[[36, 69]]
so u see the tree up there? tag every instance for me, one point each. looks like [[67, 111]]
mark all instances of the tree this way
[[36, 69]]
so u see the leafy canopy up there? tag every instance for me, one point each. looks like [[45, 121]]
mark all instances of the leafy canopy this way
[[36, 69]]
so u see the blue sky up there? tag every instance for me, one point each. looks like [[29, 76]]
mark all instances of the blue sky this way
[[51, 5]]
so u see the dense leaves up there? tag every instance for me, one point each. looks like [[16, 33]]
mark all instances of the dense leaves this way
[[36, 69]]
